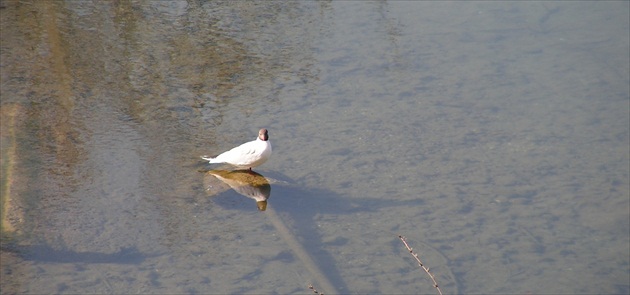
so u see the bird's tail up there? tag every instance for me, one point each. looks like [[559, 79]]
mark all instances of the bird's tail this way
[[207, 158]]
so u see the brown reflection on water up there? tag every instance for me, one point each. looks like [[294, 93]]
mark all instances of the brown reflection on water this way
[[248, 183], [37, 61], [105, 105], [152, 62]]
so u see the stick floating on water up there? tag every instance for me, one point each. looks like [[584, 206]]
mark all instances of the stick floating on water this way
[[426, 269], [314, 290]]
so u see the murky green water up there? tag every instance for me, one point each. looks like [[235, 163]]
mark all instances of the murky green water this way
[[493, 135]]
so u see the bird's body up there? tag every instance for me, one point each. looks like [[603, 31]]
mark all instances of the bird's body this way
[[247, 155]]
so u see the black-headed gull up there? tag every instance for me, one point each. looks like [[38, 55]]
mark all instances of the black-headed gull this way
[[247, 155]]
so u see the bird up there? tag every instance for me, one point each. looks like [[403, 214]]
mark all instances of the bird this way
[[247, 155]]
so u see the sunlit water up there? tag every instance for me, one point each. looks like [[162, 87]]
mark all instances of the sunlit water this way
[[493, 135]]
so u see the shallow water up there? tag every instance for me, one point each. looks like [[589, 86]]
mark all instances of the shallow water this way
[[493, 135]]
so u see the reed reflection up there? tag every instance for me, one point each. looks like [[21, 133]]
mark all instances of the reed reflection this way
[[245, 182]]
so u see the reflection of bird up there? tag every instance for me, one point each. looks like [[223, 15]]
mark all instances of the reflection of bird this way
[[247, 183], [247, 155]]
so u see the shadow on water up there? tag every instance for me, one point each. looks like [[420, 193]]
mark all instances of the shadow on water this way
[[302, 205], [256, 186], [45, 253]]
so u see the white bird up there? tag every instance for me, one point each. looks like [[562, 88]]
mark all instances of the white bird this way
[[247, 155]]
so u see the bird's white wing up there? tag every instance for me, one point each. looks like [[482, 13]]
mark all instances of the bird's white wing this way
[[241, 155]]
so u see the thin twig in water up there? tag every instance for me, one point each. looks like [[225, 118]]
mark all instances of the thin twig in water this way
[[426, 269], [314, 290]]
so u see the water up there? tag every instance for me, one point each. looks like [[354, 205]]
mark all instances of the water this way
[[493, 135]]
